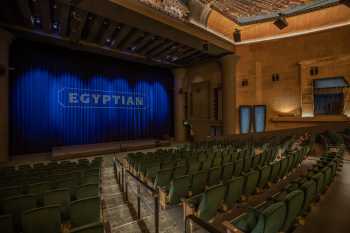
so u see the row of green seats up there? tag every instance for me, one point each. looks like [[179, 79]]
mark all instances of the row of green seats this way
[[227, 194], [282, 211], [70, 180], [22, 214], [27, 168]]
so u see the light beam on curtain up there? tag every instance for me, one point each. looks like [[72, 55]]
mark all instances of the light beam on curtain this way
[[39, 121]]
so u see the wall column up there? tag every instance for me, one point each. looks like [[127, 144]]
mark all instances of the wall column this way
[[228, 67], [179, 104], [5, 41]]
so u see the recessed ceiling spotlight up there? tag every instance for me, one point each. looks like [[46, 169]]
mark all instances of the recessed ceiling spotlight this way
[[108, 40]]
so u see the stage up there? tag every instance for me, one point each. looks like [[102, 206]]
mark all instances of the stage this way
[[71, 152]]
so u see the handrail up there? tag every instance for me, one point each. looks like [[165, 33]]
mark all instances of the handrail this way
[[123, 183], [203, 224]]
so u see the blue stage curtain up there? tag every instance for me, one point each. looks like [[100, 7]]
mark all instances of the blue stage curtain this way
[[39, 121]]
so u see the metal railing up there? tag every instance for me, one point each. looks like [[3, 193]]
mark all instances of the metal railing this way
[[121, 176]]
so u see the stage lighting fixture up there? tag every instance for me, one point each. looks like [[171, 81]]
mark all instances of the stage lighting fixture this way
[[281, 22]]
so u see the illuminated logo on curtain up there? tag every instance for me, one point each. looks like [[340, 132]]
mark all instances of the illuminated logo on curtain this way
[[86, 98]]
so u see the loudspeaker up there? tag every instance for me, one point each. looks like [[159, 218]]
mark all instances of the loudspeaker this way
[[237, 35], [281, 22]]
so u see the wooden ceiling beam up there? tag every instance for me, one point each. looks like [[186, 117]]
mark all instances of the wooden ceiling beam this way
[[154, 44], [64, 11], [95, 29], [25, 11], [144, 41], [107, 35], [45, 13], [123, 32], [131, 39], [162, 49], [77, 23]]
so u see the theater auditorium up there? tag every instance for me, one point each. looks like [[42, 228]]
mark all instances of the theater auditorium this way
[[174, 116]]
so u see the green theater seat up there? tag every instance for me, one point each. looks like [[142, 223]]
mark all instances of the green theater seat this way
[[216, 161], [247, 163], [294, 202], [16, 206], [46, 219], [199, 180], [7, 192], [251, 180], [193, 167], [275, 170], [151, 172], [163, 178], [59, 197], [179, 188], [284, 166], [179, 171], [6, 224], [310, 190], [234, 191], [266, 220], [264, 177], [256, 161], [272, 218], [238, 167], [87, 190], [211, 201], [319, 179], [85, 211], [89, 228], [214, 176], [227, 171]]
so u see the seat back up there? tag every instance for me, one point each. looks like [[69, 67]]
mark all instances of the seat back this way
[[85, 211], [163, 178], [179, 188], [238, 167], [193, 167], [6, 224], [90, 228], [265, 172], [275, 170], [214, 176], [199, 180], [310, 191], [271, 219], [251, 181], [179, 171], [87, 190], [16, 206], [46, 219], [59, 197], [247, 163], [227, 171], [284, 166], [294, 201], [7, 192], [234, 191], [211, 201], [319, 179]]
